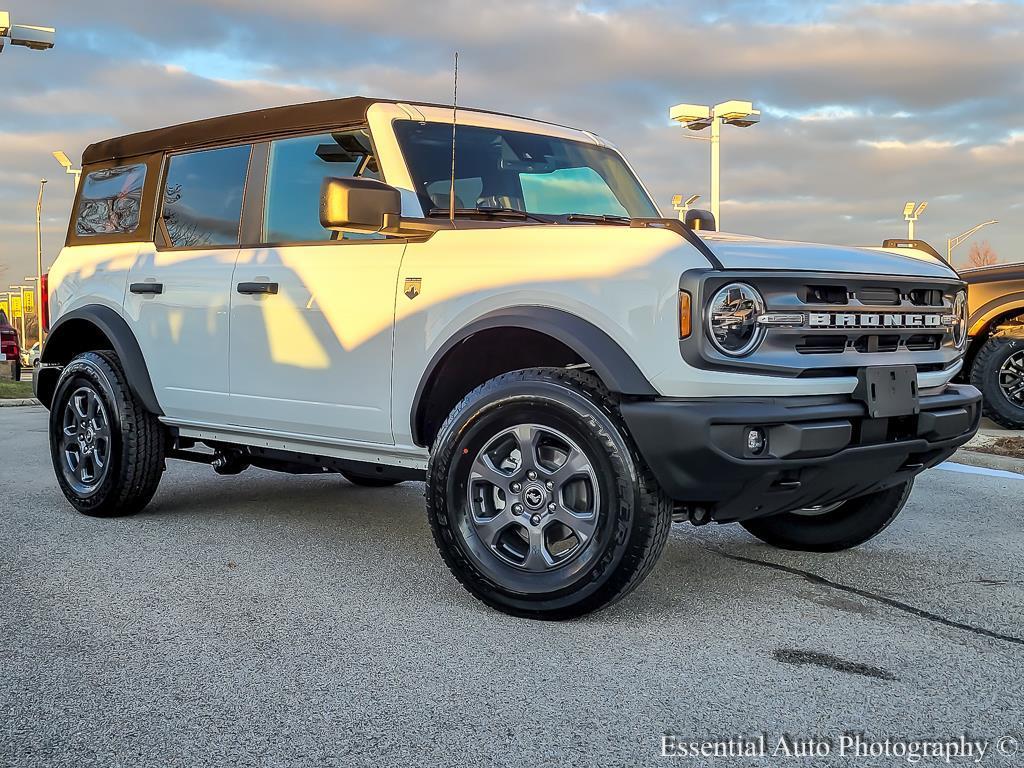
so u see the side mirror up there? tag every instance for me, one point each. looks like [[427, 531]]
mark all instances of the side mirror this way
[[361, 205], [701, 221]]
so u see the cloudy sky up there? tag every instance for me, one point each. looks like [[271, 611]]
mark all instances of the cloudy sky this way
[[865, 105]]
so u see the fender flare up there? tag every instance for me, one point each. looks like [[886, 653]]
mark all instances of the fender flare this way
[[609, 361], [985, 314], [123, 341]]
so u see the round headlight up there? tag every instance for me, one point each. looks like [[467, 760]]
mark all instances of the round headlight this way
[[961, 319], [732, 319]]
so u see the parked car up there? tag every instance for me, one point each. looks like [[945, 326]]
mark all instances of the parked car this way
[[10, 346], [995, 355], [312, 288], [29, 357]]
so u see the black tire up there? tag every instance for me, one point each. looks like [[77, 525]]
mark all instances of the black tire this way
[[985, 375], [847, 526], [369, 481], [135, 443], [632, 516]]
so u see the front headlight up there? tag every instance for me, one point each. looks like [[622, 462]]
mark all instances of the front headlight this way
[[961, 319], [732, 317]]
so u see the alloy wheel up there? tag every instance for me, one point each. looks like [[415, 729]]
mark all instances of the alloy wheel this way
[[1011, 378], [533, 499], [85, 441]]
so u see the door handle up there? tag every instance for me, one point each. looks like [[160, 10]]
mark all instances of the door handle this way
[[150, 288], [258, 288]]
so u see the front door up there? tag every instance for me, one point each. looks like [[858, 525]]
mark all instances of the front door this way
[[312, 318]]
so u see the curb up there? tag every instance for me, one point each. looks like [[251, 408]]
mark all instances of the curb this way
[[990, 460], [18, 401]]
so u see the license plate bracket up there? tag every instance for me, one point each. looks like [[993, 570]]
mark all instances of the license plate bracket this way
[[888, 390]]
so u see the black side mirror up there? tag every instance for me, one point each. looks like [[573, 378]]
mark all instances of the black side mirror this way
[[360, 205], [701, 221]]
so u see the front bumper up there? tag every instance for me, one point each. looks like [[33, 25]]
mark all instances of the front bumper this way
[[819, 449]]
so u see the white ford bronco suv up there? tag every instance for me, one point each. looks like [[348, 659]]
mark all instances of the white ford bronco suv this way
[[312, 288]]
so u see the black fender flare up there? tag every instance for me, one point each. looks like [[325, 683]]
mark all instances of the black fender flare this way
[[609, 361], [123, 341], [982, 317]]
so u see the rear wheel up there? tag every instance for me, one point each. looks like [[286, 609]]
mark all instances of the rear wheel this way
[[107, 449], [832, 527], [998, 371], [537, 499]]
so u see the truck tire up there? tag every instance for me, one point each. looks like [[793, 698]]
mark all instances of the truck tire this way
[[107, 449], [369, 481], [537, 499], [833, 527], [998, 371]]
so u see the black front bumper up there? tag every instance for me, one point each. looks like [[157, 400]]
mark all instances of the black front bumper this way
[[819, 449]]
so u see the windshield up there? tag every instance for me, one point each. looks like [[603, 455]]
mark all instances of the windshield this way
[[498, 168]]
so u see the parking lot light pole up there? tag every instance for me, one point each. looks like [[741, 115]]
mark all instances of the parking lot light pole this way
[[697, 117], [682, 206], [69, 169], [39, 262], [911, 215], [29, 36], [953, 242]]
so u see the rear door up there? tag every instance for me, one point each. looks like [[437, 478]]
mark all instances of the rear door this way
[[312, 314], [178, 295]]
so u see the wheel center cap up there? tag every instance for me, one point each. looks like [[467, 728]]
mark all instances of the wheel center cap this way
[[533, 496]]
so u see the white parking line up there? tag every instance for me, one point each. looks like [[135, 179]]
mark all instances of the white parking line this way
[[952, 466]]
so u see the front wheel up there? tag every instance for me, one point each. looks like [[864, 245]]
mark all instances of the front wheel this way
[[107, 449], [833, 527], [537, 499]]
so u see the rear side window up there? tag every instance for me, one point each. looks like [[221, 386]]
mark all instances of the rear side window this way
[[202, 203], [110, 201], [297, 169]]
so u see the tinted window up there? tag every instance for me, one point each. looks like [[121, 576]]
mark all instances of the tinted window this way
[[297, 170], [498, 168], [203, 197], [110, 201]]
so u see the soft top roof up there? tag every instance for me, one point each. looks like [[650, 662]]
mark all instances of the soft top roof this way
[[257, 124]]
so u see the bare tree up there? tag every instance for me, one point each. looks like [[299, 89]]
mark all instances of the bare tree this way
[[981, 255]]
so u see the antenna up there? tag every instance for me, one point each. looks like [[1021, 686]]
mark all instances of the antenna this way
[[455, 117]]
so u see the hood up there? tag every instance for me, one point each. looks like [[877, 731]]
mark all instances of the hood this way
[[744, 252]]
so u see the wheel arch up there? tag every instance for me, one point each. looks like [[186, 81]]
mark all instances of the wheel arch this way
[[87, 329], [528, 337], [985, 320]]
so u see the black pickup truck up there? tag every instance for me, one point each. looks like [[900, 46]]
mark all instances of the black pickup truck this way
[[995, 355]]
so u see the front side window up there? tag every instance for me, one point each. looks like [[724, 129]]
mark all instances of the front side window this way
[[203, 193], [110, 201], [297, 169], [498, 168]]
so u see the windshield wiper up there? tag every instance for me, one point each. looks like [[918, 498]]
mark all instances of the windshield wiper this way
[[599, 218], [487, 210]]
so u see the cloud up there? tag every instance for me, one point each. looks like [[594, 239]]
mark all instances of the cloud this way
[[865, 104]]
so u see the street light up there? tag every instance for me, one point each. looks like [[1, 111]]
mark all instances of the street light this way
[[697, 117], [911, 215], [65, 161], [27, 35], [39, 264], [682, 206], [953, 242]]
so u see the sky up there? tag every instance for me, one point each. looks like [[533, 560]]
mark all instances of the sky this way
[[865, 105]]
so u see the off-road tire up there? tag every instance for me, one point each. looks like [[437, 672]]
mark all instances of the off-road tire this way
[[137, 438], [845, 527], [635, 515], [985, 376], [369, 481]]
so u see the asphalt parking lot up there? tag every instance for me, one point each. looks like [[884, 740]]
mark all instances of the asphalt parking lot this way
[[273, 620]]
